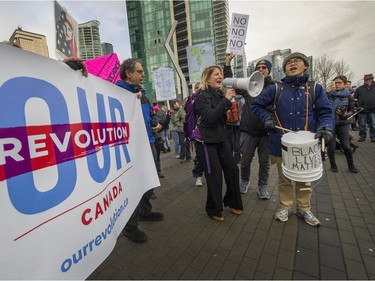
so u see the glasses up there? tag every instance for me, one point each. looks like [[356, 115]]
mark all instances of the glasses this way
[[297, 60], [261, 67]]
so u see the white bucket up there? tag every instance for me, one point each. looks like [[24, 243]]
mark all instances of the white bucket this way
[[301, 155]]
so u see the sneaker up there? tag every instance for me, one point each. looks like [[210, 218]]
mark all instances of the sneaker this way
[[361, 139], [199, 182], [309, 218], [244, 186], [177, 156], [282, 215], [152, 216], [263, 192], [134, 234]]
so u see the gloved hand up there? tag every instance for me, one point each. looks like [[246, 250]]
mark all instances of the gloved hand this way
[[324, 132], [269, 124]]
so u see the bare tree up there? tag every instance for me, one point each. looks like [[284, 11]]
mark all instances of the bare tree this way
[[341, 68], [324, 69]]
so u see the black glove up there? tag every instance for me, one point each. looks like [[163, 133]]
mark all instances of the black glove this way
[[75, 65], [269, 124], [324, 132]]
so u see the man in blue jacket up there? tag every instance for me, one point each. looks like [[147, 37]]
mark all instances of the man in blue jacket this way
[[132, 76], [296, 112]]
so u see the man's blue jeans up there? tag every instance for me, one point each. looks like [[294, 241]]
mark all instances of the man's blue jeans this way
[[176, 140], [364, 119]]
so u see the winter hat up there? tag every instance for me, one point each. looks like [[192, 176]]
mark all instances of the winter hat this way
[[266, 63], [368, 76], [156, 108], [296, 55]]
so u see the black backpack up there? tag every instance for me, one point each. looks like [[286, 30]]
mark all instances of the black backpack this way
[[279, 88]]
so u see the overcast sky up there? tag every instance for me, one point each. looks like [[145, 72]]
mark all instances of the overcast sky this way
[[342, 29]]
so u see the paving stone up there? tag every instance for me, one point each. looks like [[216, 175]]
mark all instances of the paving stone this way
[[272, 246], [254, 250], [247, 268], [288, 242], [328, 273], [302, 276], [308, 239], [355, 270], [307, 262], [282, 274], [369, 264], [228, 270], [267, 263], [347, 237], [285, 259], [326, 207], [329, 236], [362, 233], [351, 252], [344, 224]]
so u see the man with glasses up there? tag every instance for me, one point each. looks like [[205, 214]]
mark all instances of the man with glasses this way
[[294, 111], [132, 76]]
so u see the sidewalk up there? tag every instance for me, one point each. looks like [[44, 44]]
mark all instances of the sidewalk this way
[[189, 245]]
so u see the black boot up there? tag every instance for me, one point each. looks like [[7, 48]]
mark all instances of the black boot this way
[[334, 167], [353, 169]]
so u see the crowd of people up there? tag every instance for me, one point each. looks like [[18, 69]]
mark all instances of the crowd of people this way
[[292, 104], [331, 114]]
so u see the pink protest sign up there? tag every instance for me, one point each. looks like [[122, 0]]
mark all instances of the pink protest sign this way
[[106, 67]]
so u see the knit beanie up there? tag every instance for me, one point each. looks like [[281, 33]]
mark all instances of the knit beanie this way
[[296, 55], [266, 63]]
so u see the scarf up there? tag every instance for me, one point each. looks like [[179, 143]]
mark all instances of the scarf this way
[[336, 100]]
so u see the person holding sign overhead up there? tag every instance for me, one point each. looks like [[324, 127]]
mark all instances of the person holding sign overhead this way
[[295, 109]]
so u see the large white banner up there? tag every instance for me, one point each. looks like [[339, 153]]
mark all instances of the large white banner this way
[[237, 34], [199, 57], [74, 162], [165, 87]]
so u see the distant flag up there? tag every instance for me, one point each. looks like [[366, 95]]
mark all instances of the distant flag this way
[[66, 33], [106, 67]]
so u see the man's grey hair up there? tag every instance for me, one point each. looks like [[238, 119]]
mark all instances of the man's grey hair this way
[[128, 64]]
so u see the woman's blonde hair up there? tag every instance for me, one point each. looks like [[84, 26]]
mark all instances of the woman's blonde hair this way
[[206, 74]]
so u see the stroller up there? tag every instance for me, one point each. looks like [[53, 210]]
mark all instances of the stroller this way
[[351, 135]]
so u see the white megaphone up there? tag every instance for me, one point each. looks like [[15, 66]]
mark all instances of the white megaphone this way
[[253, 84]]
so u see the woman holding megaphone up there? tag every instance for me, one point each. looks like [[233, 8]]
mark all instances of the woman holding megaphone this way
[[211, 106]]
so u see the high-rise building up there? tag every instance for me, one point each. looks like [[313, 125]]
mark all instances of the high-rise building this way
[[276, 58], [199, 22], [30, 41], [89, 40], [107, 48], [239, 66]]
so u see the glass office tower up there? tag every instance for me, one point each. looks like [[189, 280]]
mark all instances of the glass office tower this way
[[198, 22]]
